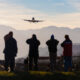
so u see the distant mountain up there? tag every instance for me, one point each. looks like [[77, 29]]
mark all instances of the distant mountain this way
[[43, 35]]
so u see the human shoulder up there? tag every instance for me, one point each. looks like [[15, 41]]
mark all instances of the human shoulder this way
[[14, 39], [48, 42], [56, 40], [71, 41], [38, 40], [28, 41]]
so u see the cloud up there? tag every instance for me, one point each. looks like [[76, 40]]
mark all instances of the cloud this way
[[13, 15], [70, 20], [75, 4]]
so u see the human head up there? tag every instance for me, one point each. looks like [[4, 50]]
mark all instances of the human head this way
[[11, 34], [34, 36], [52, 36], [67, 37]]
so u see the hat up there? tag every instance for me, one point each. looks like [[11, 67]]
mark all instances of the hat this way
[[52, 36]]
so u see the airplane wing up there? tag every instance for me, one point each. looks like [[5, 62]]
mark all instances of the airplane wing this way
[[27, 20], [39, 21], [34, 21]]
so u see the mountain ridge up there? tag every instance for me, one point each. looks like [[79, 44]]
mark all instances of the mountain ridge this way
[[43, 35]]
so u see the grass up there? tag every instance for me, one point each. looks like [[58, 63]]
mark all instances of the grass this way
[[39, 75]]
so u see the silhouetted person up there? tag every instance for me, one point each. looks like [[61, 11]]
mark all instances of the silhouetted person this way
[[33, 52], [10, 51], [67, 53], [52, 46]]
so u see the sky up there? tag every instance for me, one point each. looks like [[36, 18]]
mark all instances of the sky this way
[[60, 13]]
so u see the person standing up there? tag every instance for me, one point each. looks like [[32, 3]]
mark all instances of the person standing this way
[[67, 53], [33, 51], [52, 47], [10, 51]]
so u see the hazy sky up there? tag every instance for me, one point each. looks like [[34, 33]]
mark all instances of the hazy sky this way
[[61, 13]]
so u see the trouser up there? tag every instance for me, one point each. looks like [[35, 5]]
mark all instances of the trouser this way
[[52, 61], [35, 60], [67, 63], [9, 61]]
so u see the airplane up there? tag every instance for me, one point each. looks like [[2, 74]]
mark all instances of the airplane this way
[[33, 20]]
